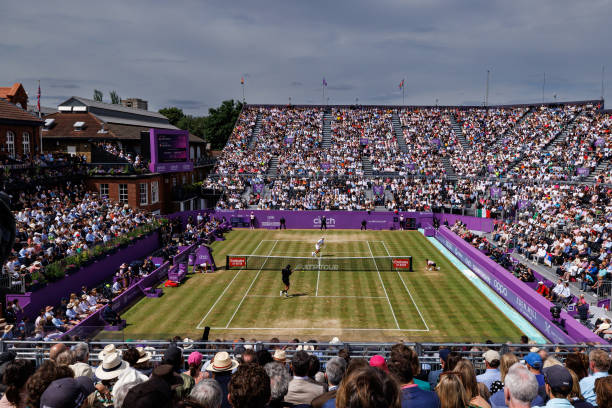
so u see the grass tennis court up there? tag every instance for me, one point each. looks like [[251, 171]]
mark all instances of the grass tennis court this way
[[374, 305]]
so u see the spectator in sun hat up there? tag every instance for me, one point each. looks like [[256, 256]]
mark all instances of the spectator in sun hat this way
[[195, 366], [108, 349], [280, 356], [221, 368], [379, 362], [67, 393], [492, 374]]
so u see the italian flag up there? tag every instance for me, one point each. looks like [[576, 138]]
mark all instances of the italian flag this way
[[483, 213]]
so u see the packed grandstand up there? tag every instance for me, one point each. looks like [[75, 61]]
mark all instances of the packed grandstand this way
[[541, 172]]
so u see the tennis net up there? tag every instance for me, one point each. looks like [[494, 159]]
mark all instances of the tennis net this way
[[353, 263]]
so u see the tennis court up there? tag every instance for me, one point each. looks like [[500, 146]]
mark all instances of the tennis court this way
[[365, 302]]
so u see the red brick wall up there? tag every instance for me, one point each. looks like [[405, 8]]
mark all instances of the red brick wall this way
[[18, 130]]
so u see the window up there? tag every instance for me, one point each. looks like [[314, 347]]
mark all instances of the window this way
[[173, 181], [103, 190], [144, 194], [154, 192], [184, 179], [191, 153], [123, 193], [26, 143], [10, 143]]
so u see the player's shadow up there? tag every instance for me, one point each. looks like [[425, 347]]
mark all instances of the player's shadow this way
[[298, 295]]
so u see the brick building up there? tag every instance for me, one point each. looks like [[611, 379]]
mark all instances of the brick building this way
[[81, 122], [19, 131], [155, 192], [15, 94]]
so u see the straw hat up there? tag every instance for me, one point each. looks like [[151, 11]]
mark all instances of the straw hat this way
[[143, 355], [108, 349], [221, 363], [112, 366], [280, 356], [188, 343]]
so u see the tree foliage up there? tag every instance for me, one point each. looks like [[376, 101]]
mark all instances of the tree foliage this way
[[115, 99], [97, 96], [215, 128]]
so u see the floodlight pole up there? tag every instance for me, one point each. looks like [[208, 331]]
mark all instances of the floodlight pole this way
[[487, 89]]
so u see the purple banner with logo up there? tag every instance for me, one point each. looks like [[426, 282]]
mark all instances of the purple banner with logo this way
[[600, 142], [411, 166], [288, 140], [325, 166], [378, 190], [258, 188], [522, 204], [495, 192], [491, 168], [526, 301], [436, 141], [364, 141], [583, 171]]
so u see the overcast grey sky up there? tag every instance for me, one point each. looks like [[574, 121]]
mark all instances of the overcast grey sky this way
[[192, 54]]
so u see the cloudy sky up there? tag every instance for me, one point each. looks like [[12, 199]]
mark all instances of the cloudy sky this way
[[192, 54]]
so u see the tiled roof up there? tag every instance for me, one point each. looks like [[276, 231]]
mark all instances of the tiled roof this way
[[7, 91], [64, 127], [9, 111]]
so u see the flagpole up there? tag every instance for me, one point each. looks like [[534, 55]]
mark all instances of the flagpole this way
[[243, 100], [39, 117]]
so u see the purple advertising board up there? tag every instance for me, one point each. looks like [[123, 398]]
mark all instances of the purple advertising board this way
[[89, 276], [325, 166], [364, 141], [535, 308], [378, 190], [411, 166], [495, 192], [169, 150], [258, 188], [582, 171]]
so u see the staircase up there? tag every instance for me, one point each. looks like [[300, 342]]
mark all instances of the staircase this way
[[367, 166], [562, 136], [399, 133], [602, 166], [255, 132], [327, 118], [450, 170], [246, 195], [459, 132], [528, 113], [273, 167]]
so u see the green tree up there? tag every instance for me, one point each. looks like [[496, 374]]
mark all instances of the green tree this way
[[173, 114], [115, 99], [98, 95], [219, 123]]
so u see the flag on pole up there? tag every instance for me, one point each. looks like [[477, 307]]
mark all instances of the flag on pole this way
[[38, 103], [242, 81], [401, 84], [324, 82]]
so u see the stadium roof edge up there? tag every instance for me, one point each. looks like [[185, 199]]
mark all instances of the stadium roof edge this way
[[516, 105]]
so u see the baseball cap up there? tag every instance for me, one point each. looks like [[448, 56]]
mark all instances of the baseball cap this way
[[559, 378], [491, 355], [534, 360], [66, 393]]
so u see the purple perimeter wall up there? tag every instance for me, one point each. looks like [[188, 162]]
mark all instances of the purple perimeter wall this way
[[90, 276], [518, 294]]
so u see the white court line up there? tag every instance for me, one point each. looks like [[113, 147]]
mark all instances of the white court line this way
[[356, 297], [315, 328], [409, 294], [225, 290], [383, 285], [249, 289]]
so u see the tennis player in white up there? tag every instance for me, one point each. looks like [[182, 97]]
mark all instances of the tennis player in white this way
[[318, 246]]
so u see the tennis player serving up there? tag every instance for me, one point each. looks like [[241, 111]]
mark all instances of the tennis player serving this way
[[318, 246]]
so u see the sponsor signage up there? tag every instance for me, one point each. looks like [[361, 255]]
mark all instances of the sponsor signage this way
[[402, 263], [237, 261]]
